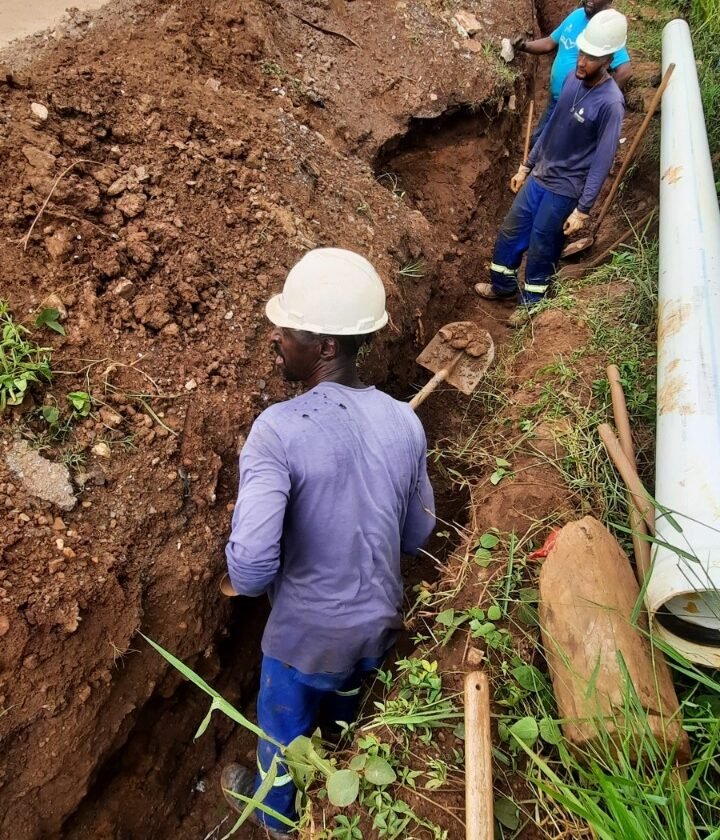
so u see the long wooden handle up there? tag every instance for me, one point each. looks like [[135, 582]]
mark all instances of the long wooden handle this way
[[629, 476], [478, 759], [439, 378], [636, 142], [528, 131], [622, 421]]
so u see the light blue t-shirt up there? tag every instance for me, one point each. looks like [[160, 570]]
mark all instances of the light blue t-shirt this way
[[565, 36]]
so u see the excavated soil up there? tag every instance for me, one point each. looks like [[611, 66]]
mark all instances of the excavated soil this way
[[192, 153]]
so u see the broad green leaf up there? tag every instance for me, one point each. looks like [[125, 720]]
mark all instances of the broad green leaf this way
[[445, 617], [343, 787], [507, 813], [489, 540], [494, 613], [525, 730], [358, 762], [529, 677], [49, 318], [50, 414], [497, 476], [483, 557], [501, 462], [80, 401], [378, 771]]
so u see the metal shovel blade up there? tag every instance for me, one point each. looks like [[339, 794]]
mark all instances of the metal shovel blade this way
[[468, 338], [577, 247]]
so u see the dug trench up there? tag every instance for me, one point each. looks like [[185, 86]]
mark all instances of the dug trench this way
[[155, 780], [190, 193]]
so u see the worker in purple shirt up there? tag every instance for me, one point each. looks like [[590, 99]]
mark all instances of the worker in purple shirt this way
[[333, 487], [558, 184], [564, 43]]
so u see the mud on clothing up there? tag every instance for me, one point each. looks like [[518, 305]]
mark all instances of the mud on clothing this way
[[569, 165]]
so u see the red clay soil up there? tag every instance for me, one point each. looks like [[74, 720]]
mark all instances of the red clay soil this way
[[193, 152]]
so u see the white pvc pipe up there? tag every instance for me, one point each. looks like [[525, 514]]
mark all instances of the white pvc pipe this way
[[688, 378]]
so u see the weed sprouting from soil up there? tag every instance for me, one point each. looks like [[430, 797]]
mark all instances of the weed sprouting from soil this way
[[22, 362]]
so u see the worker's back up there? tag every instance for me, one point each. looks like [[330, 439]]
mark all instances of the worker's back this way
[[348, 468]]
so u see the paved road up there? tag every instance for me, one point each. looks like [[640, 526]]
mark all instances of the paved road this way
[[19, 18]]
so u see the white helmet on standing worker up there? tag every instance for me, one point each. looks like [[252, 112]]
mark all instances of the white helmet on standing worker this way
[[330, 291], [604, 35]]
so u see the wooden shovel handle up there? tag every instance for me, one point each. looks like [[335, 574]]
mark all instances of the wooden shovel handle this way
[[528, 131], [635, 143], [478, 759], [629, 476], [439, 377]]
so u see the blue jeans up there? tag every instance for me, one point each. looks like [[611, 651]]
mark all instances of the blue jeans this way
[[534, 224], [292, 703], [547, 113]]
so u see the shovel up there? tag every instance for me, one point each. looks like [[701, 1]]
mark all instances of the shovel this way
[[583, 244], [460, 353]]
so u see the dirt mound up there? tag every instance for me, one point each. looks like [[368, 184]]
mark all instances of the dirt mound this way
[[190, 155]]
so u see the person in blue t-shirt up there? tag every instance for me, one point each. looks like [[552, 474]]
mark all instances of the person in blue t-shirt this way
[[564, 40]]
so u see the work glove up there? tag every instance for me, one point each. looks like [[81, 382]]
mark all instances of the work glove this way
[[518, 179], [518, 42], [574, 222]]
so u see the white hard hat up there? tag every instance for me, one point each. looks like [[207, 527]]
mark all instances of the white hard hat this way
[[605, 34], [331, 291]]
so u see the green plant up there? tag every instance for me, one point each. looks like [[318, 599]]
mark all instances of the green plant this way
[[50, 318], [414, 268], [347, 828], [22, 362], [80, 402]]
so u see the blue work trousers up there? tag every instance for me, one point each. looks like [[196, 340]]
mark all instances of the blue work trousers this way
[[534, 224], [291, 703]]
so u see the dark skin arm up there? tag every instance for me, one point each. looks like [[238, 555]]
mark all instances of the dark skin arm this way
[[542, 46], [622, 74]]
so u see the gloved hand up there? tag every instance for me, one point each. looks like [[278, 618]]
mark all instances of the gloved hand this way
[[518, 179], [574, 222], [518, 42]]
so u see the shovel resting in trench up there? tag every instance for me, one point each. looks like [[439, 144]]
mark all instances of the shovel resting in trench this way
[[460, 353]]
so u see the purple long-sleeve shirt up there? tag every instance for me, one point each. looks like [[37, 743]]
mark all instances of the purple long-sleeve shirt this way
[[333, 486], [575, 151]]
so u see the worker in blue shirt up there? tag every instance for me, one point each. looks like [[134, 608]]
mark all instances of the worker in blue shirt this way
[[564, 40], [333, 487], [558, 184]]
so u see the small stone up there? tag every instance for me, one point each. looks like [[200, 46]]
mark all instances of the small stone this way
[[466, 23], [433, 97], [38, 159], [507, 51], [119, 185], [84, 694], [4, 625], [54, 566], [68, 553], [39, 110], [131, 204], [213, 84], [262, 384], [30, 662], [229, 315], [110, 418], [190, 385], [58, 524], [512, 103], [124, 289], [101, 449], [41, 478], [475, 656], [24, 517], [60, 543]]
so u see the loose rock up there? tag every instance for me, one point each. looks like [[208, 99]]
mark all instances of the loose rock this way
[[41, 478]]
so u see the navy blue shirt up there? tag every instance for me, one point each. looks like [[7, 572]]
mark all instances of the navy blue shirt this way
[[333, 486], [576, 149]]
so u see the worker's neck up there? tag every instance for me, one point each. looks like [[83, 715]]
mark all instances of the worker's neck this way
[[596, 79], [340, 370]]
